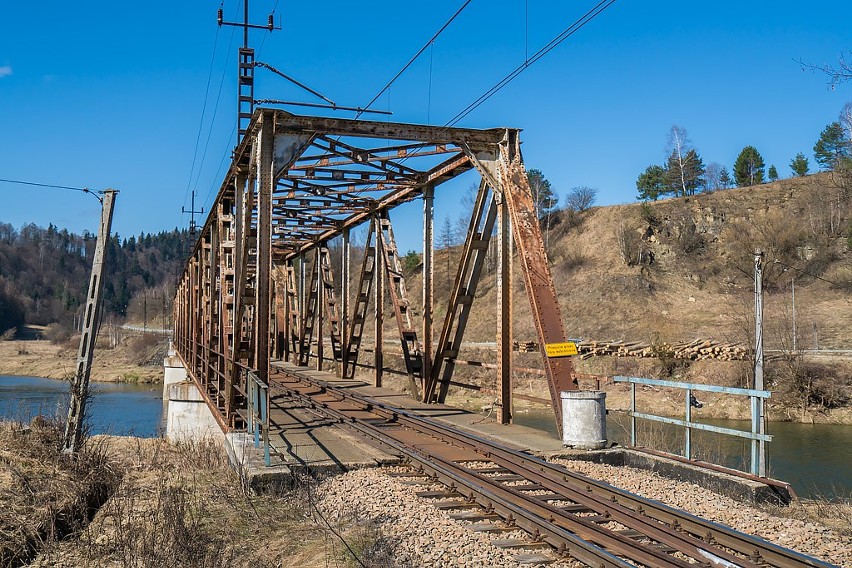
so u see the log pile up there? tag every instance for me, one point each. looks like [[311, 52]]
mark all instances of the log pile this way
[[697, 350]]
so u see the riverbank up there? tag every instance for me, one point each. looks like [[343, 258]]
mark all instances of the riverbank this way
[[170, 505], [133, 359]]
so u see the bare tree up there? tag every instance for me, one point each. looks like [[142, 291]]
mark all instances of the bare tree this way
[[845, 120], [713, 176], [836, 75], [581, 198], [677, 149]]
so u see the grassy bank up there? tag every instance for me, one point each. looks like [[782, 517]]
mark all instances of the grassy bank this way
[[146, 503], [132, 358]]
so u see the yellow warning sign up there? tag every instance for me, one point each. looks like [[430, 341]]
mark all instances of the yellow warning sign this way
[[561, 349]]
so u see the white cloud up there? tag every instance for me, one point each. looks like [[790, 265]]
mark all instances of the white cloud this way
[[5, 71]]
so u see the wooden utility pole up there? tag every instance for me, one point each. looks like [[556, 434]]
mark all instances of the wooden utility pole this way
[[91, 321]]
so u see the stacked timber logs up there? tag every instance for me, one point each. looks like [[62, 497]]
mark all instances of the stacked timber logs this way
[[697, 350]]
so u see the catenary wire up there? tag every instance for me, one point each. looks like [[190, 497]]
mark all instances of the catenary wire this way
[[95, 193], [201, 120], [566, 33], [416, 55]]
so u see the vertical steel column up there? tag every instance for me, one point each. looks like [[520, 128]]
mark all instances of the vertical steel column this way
[[263, 306], [91, 323], [428, 281], [758, 448], [553, 340], [240, 248], [320, 307], [687, 450], [504, 316], [344, 301], [379, 274]]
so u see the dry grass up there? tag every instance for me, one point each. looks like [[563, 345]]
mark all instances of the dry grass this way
[[184, 505], [46, 495]]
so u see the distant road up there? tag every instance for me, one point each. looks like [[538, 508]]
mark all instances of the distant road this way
[[141, 329]]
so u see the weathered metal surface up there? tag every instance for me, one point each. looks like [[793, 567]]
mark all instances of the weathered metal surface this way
[[296, 183]]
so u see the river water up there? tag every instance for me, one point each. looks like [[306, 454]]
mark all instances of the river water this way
[[816, 459], [115, 408]]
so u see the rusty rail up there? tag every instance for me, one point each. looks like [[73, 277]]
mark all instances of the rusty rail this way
[[588, 520]]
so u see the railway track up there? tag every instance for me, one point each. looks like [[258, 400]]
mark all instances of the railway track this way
[[578, 517]]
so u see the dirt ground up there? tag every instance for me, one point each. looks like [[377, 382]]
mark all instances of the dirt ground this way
[[134, 359]]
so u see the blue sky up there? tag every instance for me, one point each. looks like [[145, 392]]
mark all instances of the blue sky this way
[[110, 94]]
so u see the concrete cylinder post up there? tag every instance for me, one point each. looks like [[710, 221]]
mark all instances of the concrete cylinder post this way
[[584, 419]]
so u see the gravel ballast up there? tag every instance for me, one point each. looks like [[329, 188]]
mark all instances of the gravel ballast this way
[[422, 535]]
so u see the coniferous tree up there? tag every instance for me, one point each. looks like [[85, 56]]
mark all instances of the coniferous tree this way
[[832, 146], [773, 173], [543, 198], [725, 178], [800, 165], [748, 169], [652, 183]]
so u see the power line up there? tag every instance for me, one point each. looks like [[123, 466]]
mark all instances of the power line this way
[[805, 272], [566, 33], [216, 106], [94, 192], [203, 111], [416, 55]]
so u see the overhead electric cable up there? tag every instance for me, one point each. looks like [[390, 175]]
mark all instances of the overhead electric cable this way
[[203, 112], [806, 273], [94, 192], [416, 55], [216, 107], [566, 33]]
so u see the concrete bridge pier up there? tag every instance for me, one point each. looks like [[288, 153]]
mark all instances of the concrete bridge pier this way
[[188, 418]]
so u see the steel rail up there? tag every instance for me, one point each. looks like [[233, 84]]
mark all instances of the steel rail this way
[[686, 531]]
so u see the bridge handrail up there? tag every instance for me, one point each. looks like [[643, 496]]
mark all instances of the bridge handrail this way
[[757, 439], [258, 412]]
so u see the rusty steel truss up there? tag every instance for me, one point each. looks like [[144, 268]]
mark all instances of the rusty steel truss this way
[[260, 284]]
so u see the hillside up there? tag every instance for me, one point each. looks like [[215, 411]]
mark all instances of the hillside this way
[[44, 275], [682, 268]]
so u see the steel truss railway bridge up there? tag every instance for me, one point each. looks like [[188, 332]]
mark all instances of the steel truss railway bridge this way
[[259, 288], [259, 282]]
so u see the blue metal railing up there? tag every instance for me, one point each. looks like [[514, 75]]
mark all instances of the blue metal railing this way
[[258, 412], [758, 440]]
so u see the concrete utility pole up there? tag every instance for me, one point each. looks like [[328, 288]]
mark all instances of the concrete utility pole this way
[[758, 357], [80, 386]]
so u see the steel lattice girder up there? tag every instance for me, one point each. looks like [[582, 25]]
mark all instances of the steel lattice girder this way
[[298, 181]]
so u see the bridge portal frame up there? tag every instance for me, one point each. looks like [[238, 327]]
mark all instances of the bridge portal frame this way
[[297, 182]]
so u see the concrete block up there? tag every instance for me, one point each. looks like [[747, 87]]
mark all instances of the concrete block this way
[[188, 417]]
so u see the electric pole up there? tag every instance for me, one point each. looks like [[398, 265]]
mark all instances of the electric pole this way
[[192, 212], [245, 69], [91, 321]]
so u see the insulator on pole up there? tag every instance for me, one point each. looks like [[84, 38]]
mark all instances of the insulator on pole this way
[[270, 23]]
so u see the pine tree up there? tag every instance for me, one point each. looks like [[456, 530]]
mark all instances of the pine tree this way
[[773, 173], [543, 198], [725, 178], [832, 146], [652, 183], [748, 169], [800, 165]]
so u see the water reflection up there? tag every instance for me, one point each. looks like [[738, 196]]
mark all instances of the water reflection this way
[[115, 408]]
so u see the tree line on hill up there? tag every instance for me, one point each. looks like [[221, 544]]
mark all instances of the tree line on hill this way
[[44, 273], [684, 172]]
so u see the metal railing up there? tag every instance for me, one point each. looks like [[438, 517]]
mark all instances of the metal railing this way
[[757, 397], [257, 416]]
